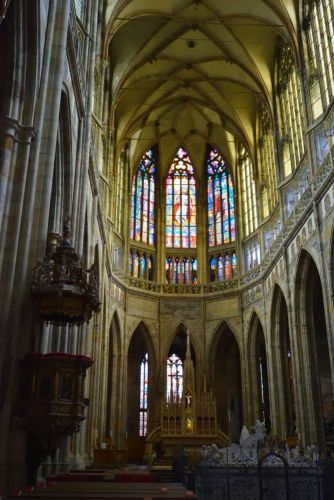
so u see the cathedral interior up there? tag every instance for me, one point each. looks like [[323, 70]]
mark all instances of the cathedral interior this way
[[167, 215]]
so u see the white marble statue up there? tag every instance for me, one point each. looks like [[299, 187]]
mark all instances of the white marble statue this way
[[244, 434]]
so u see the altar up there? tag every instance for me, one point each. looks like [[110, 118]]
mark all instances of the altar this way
[[190, 420]]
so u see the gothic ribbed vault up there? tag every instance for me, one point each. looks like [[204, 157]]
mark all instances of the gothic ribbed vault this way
[[192, 71]]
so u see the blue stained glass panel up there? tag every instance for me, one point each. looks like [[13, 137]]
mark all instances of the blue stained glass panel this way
[[220, 269], [131, 263], [220, 200], [142, 200]]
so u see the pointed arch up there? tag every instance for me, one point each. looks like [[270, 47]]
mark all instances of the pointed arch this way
[[176, 349], [113, 374], [313, 348], [225, 378], [181, 202], [259, 386], [181, 327], [283, 364], [61, 202], [140, 346], [223, 325]]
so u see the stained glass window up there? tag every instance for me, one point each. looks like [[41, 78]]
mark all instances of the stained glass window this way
[[267, 162], [320, 33], [234, 264], [131, 263], [143, 265], [119, 187], [143, 391], [181, 270], [174, 378], [142, 200], [181, 203], [292, 110], [150, 268], [220, 268], [223, 267], [228, 267], [136, 265], [221, 220], [248, 189]]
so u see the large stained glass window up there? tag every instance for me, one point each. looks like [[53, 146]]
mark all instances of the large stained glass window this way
[[143, 388], [292, 111], [319, 25], [221, 220], [142, 201], [174, 378], [181, 203]]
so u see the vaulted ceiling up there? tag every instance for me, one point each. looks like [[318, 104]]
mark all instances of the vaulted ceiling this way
[[192, 71]]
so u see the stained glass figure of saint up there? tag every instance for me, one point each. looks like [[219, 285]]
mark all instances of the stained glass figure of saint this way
[[181, 203]]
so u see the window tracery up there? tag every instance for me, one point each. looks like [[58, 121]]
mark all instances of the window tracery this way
[[292, 110], [141, 264], [181, 270], [143, 393], [181, 203], [174, 386], [221, 219], [143, 200], [223, 266], [248, 192], [252, 254], [120, 195], [267, 159], [318, 23]]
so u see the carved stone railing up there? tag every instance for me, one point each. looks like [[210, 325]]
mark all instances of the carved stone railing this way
[[252, 274], [181, 289], [162, 288], [297, 185], [218, 286], [322, 138], [256, 273]]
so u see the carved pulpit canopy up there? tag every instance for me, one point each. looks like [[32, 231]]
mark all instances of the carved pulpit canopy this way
[[64, 291]]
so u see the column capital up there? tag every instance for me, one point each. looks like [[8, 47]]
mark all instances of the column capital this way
[[22, 134]]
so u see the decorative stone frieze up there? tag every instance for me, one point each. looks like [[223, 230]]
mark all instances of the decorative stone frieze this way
[[252, 295], [301, 238], [327, 202]]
